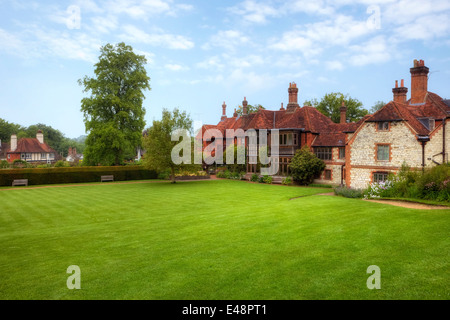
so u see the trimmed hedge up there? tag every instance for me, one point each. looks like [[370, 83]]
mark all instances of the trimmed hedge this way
[[39, 176]]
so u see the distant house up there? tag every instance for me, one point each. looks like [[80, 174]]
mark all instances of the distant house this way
[[30, 149], [73, 156]]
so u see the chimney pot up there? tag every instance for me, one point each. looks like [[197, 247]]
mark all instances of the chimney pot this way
[[13, 142], [40, 136], [419, 82], [343, 113]]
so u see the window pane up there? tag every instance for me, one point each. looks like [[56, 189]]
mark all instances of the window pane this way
[[383, 152]]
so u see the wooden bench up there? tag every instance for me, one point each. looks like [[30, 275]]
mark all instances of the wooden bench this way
[[106, 178], [20, 182]]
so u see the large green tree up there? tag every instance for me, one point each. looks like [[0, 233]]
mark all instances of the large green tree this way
[[330, 105], [7, 129], [114, 114], [158, 142]]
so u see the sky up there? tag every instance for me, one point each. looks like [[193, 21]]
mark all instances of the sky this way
[[203, 53]]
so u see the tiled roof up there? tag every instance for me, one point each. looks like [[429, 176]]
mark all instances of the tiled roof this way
[[32, 145], [307, 119], [434, 107]]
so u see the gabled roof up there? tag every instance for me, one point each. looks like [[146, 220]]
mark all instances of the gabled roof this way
[[307, 119], [32, 145], [433, 107]]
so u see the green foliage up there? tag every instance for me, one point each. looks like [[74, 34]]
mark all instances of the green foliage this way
[[4, 164], [254, 177], [61, 164], [250, 109], [235, 167], [348, 192], [432, 184], [377, 106], [305, 166], [40, 176], [268, 179], [331, 103], [7, 129], [159, 145], [113, 114], [286, 181]]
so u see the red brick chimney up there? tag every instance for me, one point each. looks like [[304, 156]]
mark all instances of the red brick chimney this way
[[343, 113], [235, 113], [244, 107], [224, 111], [400, 92], [293, 92], [419, 82]]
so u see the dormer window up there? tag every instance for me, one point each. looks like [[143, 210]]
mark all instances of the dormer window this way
[[383, 126], [428, 123]]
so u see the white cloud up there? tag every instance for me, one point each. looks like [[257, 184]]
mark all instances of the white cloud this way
[[334, 65], [228, 39], [374, 51], [211, 63], [254, 12], [176, 67], [167, 40], [310, 7], [104, 24], [146, 8]]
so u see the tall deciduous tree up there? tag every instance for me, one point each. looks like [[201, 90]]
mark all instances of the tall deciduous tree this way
[[113, 114], [158, 142], [331, 103]]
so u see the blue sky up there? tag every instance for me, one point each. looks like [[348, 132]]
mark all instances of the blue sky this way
[[202, 53]]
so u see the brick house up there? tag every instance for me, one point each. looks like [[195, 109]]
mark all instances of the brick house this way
[[30, 149], [355, 153], [403, 131]]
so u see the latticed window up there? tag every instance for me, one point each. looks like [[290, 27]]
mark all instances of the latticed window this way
[[383, 126], [380, 176], [323, 153], [383, 152]]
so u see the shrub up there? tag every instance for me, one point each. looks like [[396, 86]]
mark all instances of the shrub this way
[[254, 177], [305, 166], [268, 179], [61, 164], [286, 181], [348, 192], [242, 175], [165, 175], [4, 164], [38, 176], [379, 189], [261, 179]]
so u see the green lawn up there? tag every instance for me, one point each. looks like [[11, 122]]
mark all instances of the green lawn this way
[[217, 239]]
